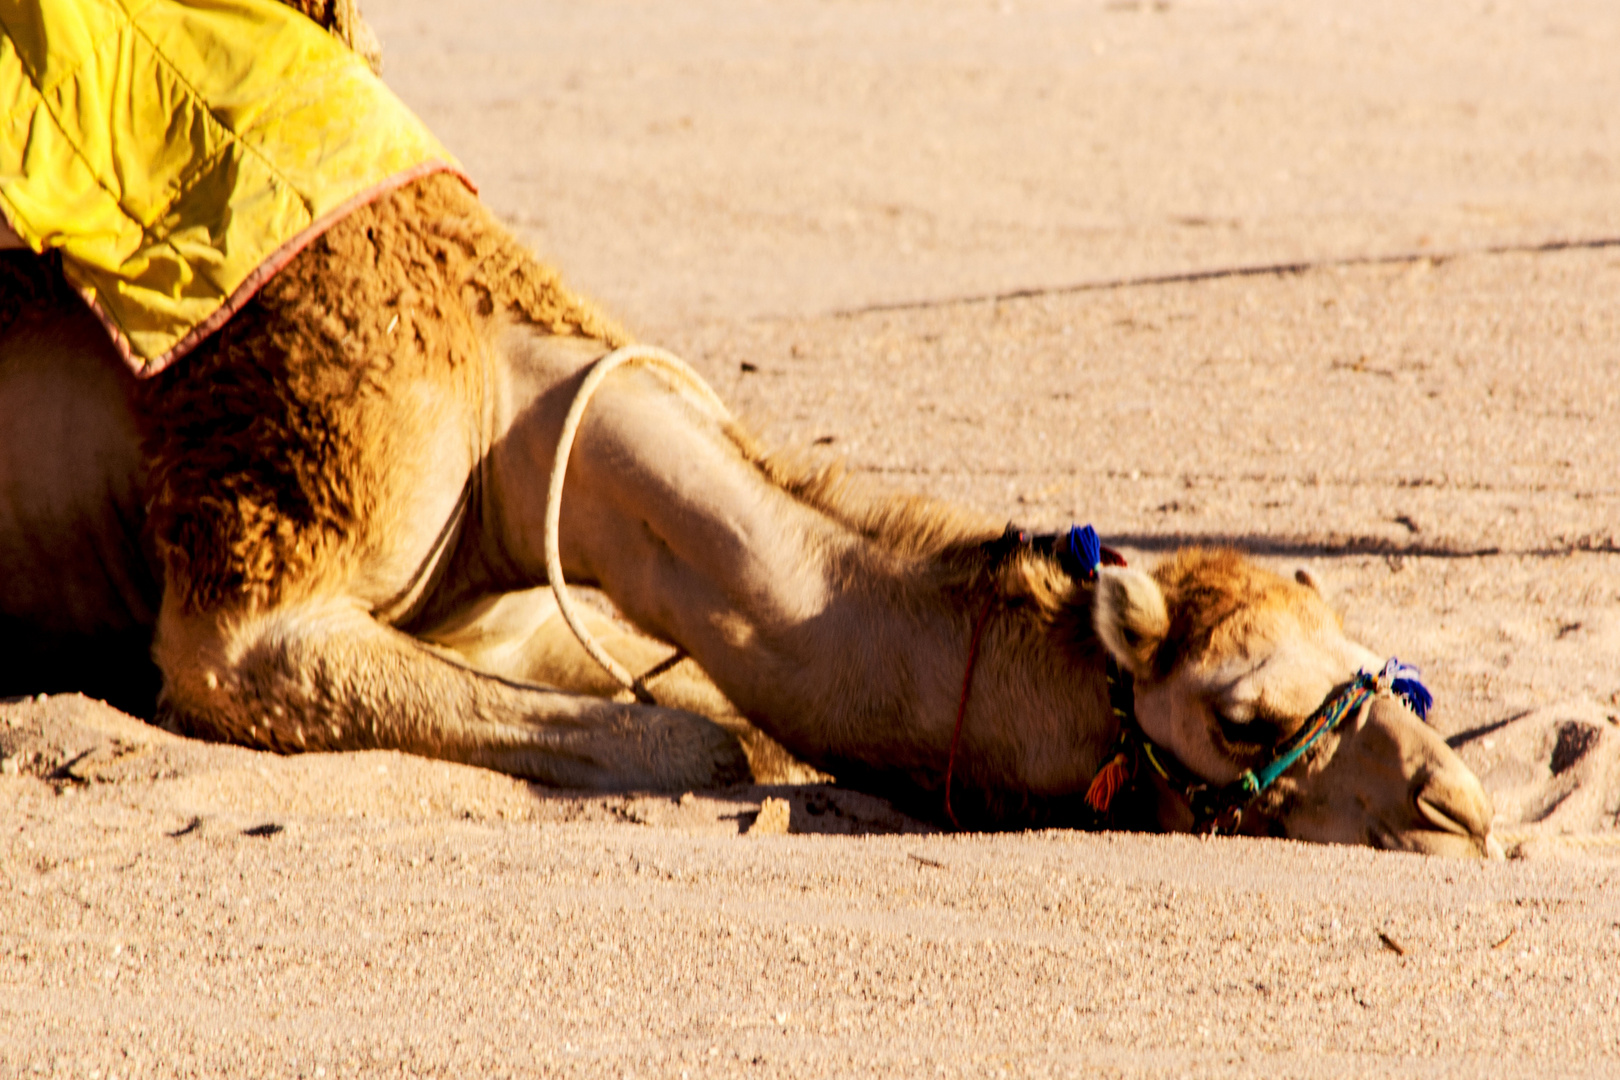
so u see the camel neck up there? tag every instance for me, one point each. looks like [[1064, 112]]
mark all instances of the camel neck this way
[[838, 624], [853, 656]]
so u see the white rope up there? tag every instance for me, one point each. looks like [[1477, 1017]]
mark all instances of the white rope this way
[[630, 354]]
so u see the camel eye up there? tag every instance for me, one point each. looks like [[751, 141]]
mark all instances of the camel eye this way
[[1236, 730], [1246, 728]]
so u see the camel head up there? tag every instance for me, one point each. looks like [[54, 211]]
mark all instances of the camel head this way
[[1230, 662]]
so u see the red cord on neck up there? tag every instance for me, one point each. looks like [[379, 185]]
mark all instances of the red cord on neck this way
[[961, 706]]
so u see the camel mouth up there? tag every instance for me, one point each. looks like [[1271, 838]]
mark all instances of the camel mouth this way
[[1455, 842], [1439, 820]]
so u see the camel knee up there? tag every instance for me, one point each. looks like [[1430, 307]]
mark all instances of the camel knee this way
[[235, 678], [325, 676]]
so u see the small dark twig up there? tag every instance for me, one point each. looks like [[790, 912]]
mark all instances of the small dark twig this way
[[925, 860], [1391, 944], [65, 771]]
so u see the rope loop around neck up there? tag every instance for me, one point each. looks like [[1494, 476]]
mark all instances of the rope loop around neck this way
[[685, 379]]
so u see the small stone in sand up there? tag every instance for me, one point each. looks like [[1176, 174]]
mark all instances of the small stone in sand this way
[[773, 819]]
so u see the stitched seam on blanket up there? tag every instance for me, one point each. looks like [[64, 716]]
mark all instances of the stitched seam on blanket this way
[[233, 140]]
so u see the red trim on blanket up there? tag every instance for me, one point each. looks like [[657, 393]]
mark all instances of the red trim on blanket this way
[[266, 270]]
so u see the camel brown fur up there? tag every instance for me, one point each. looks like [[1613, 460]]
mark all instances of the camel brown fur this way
[[345, 356], [325, 525]]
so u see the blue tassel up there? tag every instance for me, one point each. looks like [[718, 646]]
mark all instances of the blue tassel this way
[[1085, 548], [1407, 683]]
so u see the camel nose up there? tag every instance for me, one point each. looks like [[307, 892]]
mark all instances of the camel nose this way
[[1446, 810]]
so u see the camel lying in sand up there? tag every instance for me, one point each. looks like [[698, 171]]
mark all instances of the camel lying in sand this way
[[325, 527]]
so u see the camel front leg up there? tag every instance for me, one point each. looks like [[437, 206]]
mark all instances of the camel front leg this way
[[323, 675], [522, 636]]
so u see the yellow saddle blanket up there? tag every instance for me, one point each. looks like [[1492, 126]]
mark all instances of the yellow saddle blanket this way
[[179, 152]]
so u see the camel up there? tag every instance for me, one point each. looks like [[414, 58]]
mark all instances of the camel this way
[[324, 530]]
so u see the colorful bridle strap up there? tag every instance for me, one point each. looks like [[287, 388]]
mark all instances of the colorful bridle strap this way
[[1343, 702], [1214, 807]]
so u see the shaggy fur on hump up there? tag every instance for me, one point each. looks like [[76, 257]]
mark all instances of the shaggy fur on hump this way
[[323, 13], [268, 446]]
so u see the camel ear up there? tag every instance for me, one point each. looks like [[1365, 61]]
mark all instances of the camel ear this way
[[1304, 576], [1130, 617]]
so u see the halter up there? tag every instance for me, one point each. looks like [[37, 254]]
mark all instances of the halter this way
[[1219, 808], [1215, 808]]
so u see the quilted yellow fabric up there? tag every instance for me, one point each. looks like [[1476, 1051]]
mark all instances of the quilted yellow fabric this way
[[179, 152]]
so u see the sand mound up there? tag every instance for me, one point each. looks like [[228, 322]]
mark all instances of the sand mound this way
[[71, 747], [1553, 773]]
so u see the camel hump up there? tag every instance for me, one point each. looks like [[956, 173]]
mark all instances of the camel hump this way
[[173, 206]]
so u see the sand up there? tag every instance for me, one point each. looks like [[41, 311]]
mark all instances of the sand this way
[[991, 252]]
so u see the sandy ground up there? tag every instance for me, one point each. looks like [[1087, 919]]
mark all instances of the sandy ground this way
[[1423, 409]]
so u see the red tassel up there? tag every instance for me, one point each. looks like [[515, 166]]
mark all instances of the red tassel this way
[[1106, 784]]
